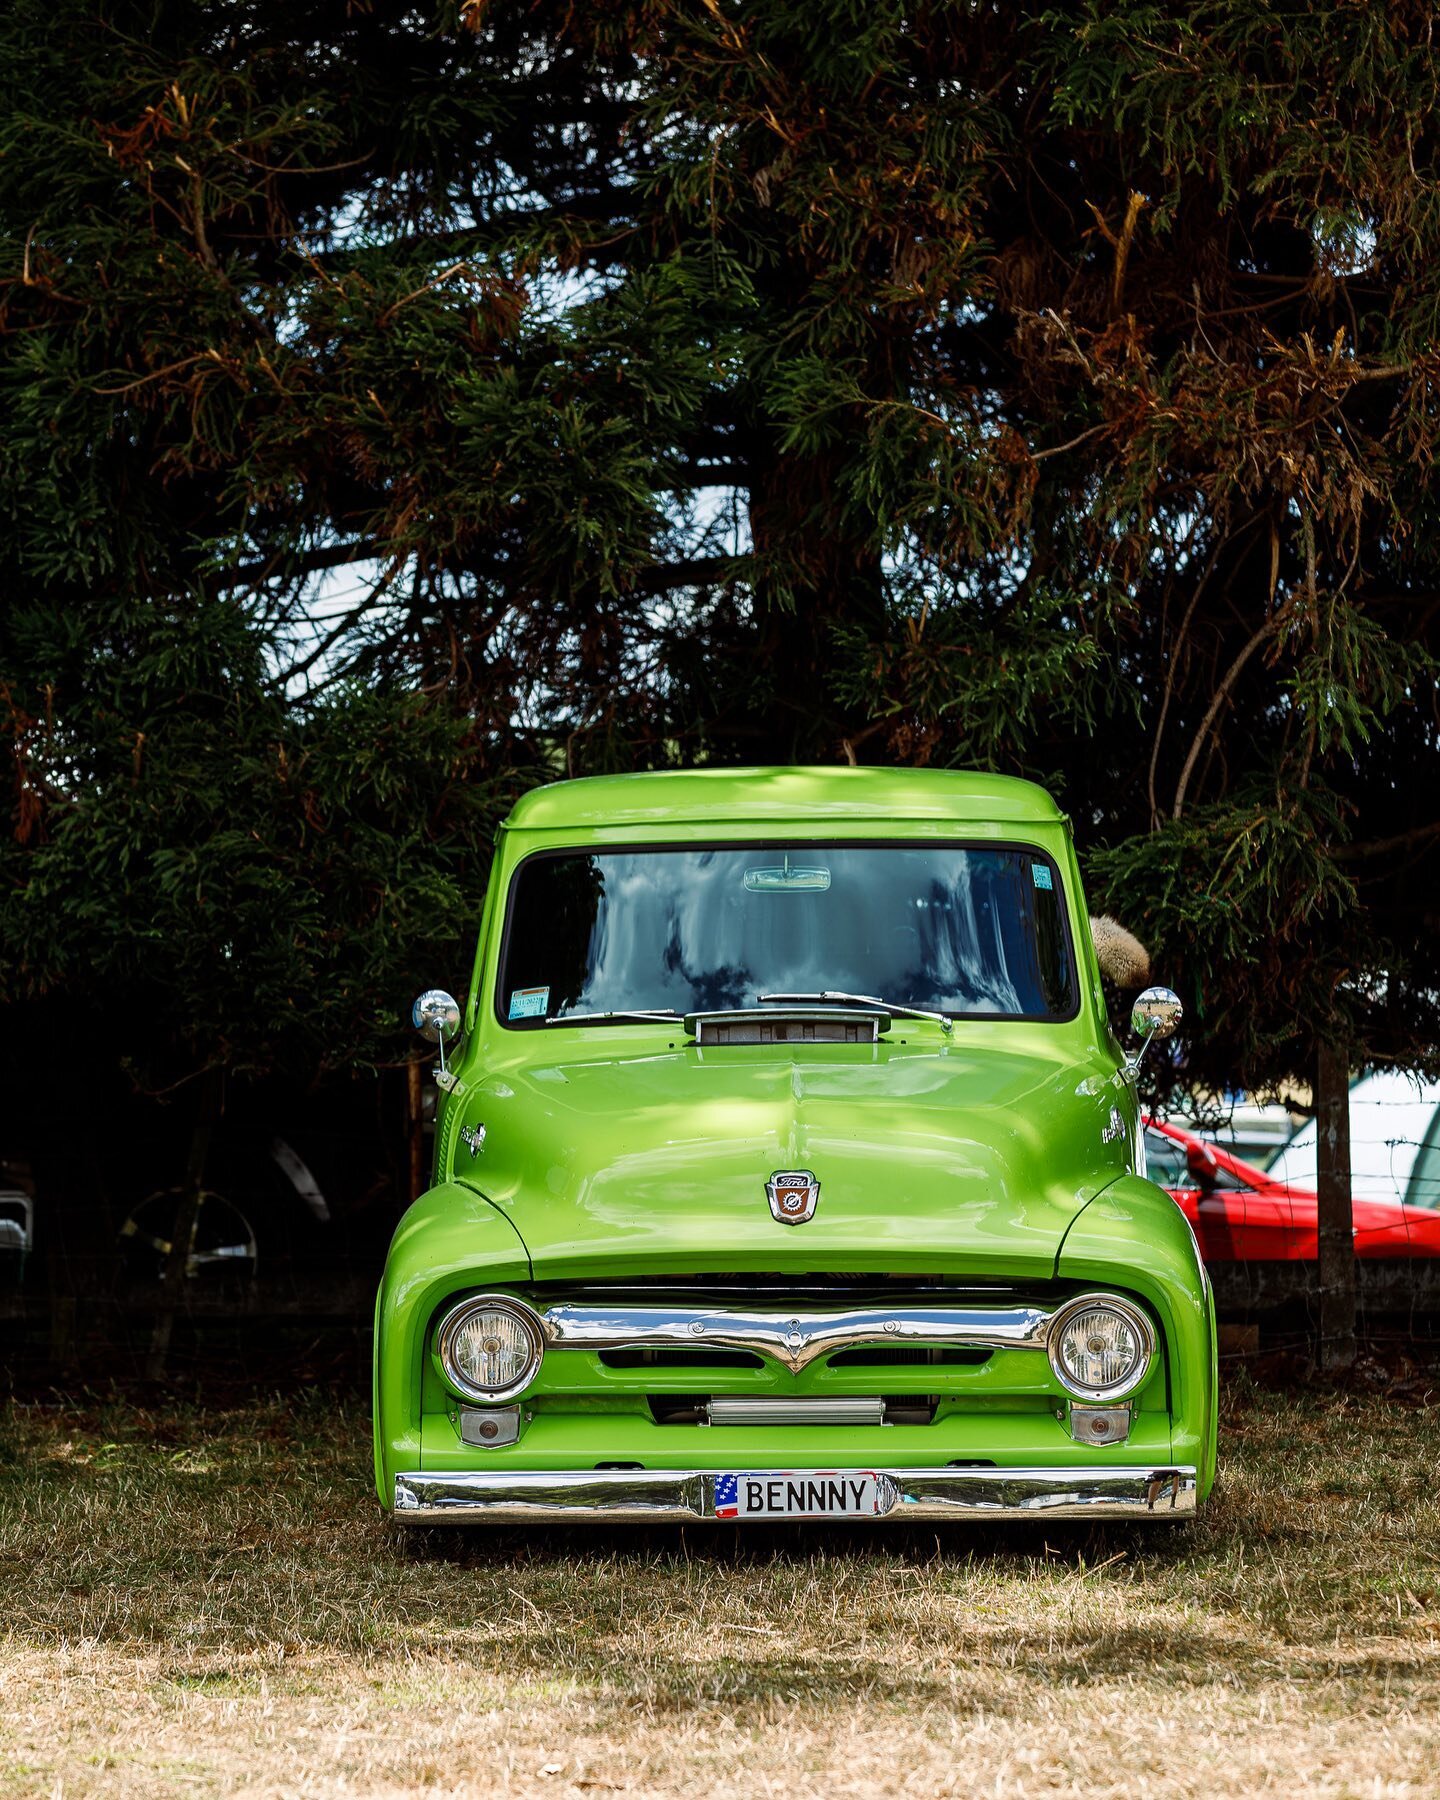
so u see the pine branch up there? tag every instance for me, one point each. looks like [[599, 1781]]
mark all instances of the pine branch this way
[[287, 566], [1404, 840]]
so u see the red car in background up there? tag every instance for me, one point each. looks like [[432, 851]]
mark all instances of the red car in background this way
[[1241, 1214]]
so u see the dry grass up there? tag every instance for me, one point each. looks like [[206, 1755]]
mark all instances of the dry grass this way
[[211, 1605]]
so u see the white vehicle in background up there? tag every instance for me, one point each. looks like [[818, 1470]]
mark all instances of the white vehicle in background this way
[[1254, 1132], [1394, 1143], [17, 1232]]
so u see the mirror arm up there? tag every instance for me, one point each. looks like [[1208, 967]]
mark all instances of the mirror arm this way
[[1134, 1058]]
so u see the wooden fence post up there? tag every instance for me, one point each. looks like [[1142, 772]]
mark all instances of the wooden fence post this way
[[1335, 1214], [187, 1217]]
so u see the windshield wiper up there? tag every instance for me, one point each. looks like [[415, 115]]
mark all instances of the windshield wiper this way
[[663, 1013], [899, 1012]]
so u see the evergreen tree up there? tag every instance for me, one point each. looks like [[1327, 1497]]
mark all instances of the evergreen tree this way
[[1049, 388]]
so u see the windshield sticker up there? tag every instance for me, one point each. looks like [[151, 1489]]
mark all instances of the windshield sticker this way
[[1041, 872], [529, 1003]]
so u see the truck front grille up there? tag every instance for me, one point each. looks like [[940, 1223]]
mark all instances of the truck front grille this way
[[931, 1357]]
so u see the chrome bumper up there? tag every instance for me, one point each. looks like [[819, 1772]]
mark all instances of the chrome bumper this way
[[631, 1495]]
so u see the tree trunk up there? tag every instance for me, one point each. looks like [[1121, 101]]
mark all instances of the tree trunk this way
[[816, 568], [187, 1218], [832, 580], [77, 1238], [1335, 1217]]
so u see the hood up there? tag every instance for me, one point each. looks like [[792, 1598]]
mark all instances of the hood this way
[[957, 1158]]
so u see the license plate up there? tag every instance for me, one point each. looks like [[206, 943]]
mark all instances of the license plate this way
[[806, 1494]]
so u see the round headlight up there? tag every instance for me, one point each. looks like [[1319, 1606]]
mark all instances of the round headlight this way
[[1100, 1346], [489, 1347]]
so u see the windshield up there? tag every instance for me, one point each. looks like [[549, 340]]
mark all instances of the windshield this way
[[967, 930]]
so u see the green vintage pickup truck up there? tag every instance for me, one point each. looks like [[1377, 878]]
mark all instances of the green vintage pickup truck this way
[[787, 1166]]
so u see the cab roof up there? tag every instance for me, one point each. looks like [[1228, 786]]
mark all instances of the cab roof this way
[[686, 796]]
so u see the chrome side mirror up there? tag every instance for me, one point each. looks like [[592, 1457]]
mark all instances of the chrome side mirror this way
[[1156, 1015], [436, 1016]]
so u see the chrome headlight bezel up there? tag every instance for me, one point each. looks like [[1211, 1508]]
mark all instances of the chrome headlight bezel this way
[[1138, 1322], [459, 1315]]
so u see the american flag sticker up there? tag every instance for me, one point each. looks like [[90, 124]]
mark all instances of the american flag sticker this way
[[727, 1496]]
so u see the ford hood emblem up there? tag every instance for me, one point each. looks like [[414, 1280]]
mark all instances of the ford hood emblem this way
[[793, 1195]]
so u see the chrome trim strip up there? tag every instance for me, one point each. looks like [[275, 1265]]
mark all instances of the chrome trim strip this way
[[530, 1496], [796, 1339]]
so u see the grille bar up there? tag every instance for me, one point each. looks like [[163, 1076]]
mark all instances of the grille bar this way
[[800, 1338]]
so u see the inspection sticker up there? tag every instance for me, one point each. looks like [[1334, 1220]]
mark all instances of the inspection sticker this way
[[1043, 879], [529, 1003]]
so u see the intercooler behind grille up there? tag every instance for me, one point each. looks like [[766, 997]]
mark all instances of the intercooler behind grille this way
[[779, 1409], [772, 1409]]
